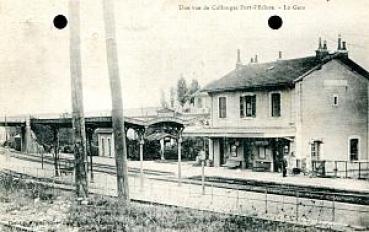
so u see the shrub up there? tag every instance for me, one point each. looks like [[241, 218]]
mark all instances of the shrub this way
[[25, 188], [105, 214]]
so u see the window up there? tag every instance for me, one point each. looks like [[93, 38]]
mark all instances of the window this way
[[222, 107], [102, 146], [335, 100], [298, 163], [199, 102], [248, 106], [262, 152], [109, 147], [354, 149], [276, 104], [315, 150]]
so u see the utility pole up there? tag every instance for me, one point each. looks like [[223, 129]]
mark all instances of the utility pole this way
[[56, 151], [78, 120], [6, 131], [90, 132], [117, 101]]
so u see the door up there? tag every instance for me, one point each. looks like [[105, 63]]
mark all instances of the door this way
[[354, 149], [278, 151], [109, 147], [276, 156], [102, 147], [221, 150], [315, 150], [247, 151]]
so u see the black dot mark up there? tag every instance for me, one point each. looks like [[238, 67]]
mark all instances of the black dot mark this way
[[60, 21], [275, 22]]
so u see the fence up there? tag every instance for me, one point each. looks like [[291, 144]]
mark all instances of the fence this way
[[342, 169], [263, 204], [297, 207]]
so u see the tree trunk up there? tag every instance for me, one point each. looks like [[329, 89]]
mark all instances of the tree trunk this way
[[120, 145], [89, 139], [56, 152], [78, 120]]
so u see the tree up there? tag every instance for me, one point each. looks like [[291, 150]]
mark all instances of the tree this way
[[194, 87], [48, 138], [78, 120], [182, 91], [44, 134], [172, 97], [163, 102], [120, 145]]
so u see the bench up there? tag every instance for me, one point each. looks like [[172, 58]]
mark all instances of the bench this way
[[232, 164], [261, 166]]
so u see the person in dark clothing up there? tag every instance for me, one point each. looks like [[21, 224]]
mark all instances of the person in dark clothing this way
[[284, 166]]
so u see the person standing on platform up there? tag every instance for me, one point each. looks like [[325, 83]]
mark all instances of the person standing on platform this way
[[284, 165]]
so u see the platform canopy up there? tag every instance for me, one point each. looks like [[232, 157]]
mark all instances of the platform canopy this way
[[239, 132], [159, 136]]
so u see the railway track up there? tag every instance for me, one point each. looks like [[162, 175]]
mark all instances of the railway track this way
[[97, 167], [49, 182], [308, 192]]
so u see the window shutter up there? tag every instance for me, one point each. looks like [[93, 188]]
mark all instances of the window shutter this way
[[354, 149], [242, 108], [222, 107], [253, 103], [248, 112], [276, 105]]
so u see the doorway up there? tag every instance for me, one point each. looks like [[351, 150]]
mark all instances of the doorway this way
[[103, 147], [109, 147], [221, 150], [279, 147], [247, 152]]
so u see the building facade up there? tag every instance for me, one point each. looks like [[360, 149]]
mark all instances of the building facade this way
[[105, 141], [201, 103], [308, 109]]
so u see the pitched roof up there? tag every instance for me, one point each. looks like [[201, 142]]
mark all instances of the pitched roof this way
[[273, 74], [159, 136], [278, 73], [200, 93], [355, 67]]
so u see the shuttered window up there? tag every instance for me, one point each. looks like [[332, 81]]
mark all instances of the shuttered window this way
[[242, 107], [222, 107], [354, 149], [276, 105], [315, 150], [248, 106]]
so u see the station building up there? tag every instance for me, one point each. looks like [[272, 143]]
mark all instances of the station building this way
[[308, 109]]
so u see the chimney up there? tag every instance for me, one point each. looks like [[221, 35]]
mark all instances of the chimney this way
[[280, 55], [342, 49], [238, 63], [339, 42], [322, 51], [343, 52], [325, 45]]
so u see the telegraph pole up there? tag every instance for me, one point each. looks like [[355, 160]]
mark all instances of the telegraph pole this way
[[6, 131], [117, 101], [78, 120], [90, 131]]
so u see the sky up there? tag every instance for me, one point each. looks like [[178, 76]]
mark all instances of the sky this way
[[157, 43]]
